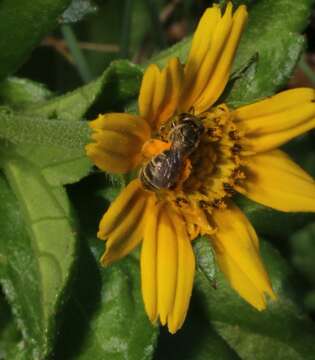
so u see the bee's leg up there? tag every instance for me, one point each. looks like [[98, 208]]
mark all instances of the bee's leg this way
[[184, 175]]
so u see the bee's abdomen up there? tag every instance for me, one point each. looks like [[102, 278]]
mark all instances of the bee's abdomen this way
[[162, 172]]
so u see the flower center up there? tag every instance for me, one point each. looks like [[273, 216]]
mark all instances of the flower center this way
[[216, 163], [210, 171]]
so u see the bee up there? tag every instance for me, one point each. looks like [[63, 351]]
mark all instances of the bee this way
[[164, 170]]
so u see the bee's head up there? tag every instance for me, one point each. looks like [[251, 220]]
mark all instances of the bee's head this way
[[185, 136]]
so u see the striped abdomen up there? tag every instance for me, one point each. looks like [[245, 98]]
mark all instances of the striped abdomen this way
[[162, 171]]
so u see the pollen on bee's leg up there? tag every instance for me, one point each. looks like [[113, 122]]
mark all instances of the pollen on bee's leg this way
[[185, 174], [153, 147]]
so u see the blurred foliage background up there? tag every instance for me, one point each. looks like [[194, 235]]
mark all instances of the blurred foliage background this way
[[133, 29], [96, 32], [86, 38]]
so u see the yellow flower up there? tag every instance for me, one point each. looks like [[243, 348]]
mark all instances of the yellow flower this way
[[235, 153]]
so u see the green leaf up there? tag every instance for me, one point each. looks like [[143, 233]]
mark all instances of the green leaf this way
[[19, 93], [55, 146], [42, 239], [35, 19], [118, 84], [240, 331], [205, 258], [42, 151], [273, 32], [303, 251], [106, 308], [37, 253], [26, 129], [10, 337]]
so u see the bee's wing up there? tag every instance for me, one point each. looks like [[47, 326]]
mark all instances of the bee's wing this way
[[168, 168]]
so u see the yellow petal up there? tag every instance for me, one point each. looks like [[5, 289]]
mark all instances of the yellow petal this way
[[122, 224], [185, 276], [149, 259], [201, 45], [174, 88], [221, 73], [274, 180], [119, 208], [286, 119], [147, 91], [275, 104], [272, 122], [117, 142], [236, 248], [127, 235], [271, 141], [205, 86], [160, 92], [201, 41], [167, 264]]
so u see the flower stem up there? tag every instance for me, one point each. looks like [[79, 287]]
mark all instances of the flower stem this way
[[126, 26], [156, 23], [79, 59], [303, 65]]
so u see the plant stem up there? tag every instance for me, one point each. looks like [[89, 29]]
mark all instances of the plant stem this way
[[126, 27], [303, 65], [156, 23], [79, 59]]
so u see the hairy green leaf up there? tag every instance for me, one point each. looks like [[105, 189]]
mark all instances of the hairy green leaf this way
[[118, 84], [37, 247], [43, 149], [35, 19], [278, 43], [19, 93], [281, 331], [106, 309], [10, 337]]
